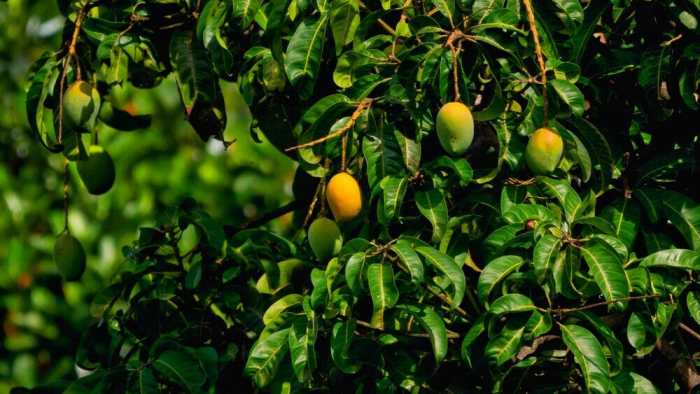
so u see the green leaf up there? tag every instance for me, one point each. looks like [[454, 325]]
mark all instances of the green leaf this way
[[569, 94], [606, 266], [341, 340], [521, 213], [588, 354], [431, 204], [494, 272], [684, 213], [673, 258], [304, 53], [302, 337], [565, 194], [460, 167], [345, 17], [182, 368], [503, 347], [198, 85], [279, 306], [625, 216], [382, 289], [382, 152], [579, 40], [146, 382], [512, 303], [354, 271], [394, 189], [630, 382], [474, 332], [410, 151], [266, 356], [617, 352], [447, 8], [41, 85], [448, 267], [640, 333], [598, 147], [543, 256], [245, 10], [572, 8], [433, 324], [692, 302], [407, 255]]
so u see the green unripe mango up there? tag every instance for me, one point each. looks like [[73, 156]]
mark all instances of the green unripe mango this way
[[78, 105], [325, 238], [69, 256], [455, 128], [97, 171], [544, 151]]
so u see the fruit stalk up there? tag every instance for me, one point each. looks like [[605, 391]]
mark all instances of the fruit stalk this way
[[540, 58]]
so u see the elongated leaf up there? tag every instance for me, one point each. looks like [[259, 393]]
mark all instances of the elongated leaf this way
[[433, 324], [182, 368], [614, 345], [383, 155], [503, 347], [410, 151], [265, 357], [543, 256], [431, 204], [512, 303], [345, 17], [304, 54], [630, 382], [521, 213], [279, 306], [447, 8], [597, 146], [570, 95], [382, 289], [579, 40], [41, 85], [684, 213], [354, 271], [341, 340], [494, 272], [673, 258], [394, 189], [625, 215], [606, 266], [588, 354], [474, 332], [405, 252], [449, 268], [245, 10], [565, 194], [572, 8], [302, 336]]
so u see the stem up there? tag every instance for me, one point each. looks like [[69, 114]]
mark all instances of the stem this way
[[310, 211], [362, 323], [65, 196], [361, 107], [265, 217], [561, 311], [540, 58], [689, 330]]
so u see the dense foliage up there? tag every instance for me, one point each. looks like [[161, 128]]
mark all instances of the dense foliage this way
[[461, 272]]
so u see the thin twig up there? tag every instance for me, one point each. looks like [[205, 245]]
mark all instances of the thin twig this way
[[65, 196], [267, 216], [310, 211], [561, 311], [540, 58], [361, 107], [362, 323], [689, 330]]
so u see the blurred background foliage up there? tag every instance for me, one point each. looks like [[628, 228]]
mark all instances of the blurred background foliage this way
[[42, 316]]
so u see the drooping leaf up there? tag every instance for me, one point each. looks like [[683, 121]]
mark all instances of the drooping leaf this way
[[496, 271], [433, 324], [382, 289], [673, 258], [606, 266], [408, 256], [588, 354], [341, 341], [512, 303], [266, 356], [543, 256], [448, 267], [304, 54], [182, 368], [431, 204]]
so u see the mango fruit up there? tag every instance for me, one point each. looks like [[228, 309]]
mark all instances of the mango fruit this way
[[69, 256], [544, 151], [97, 171], [78, 104], [455, 128], [325, 238], [344, 197]]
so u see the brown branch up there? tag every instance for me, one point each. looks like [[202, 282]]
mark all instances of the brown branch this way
[[560, 311], [310, 211], [682, 366], [527, 351], [361, 107], [540, 58], [689, 330], [362, 323]]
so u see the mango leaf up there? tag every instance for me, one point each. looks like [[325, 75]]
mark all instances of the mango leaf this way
[[341, 340], [279, 306], [41, 84], [433, 324], [447, 8], [182, 368], [606, 266], [382, 152], [640, 333], [521, 213], [448, 267], [684, 213], [245, 10], [407, 255], [302, 337], [431, 204], [354, 271], [394, 189], [572, 9], [617, 352], [474, 332], [598, 148], [630, 382], [588, 354], [198, 85], [503, 347], [565, 194], [570, 95], [345, 17], [692, 302], [673, 258], [304, 54], [579, 40], [512, 303], [266, 356], [494, 272], [382, 289], [410, 151], [460, 167], [624, 214], [543, 256]]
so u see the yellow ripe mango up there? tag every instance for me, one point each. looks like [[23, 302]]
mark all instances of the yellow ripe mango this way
[[325, 239], [344, 197], [77, 103], [544, 151], [69, 256], [455, 128]]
